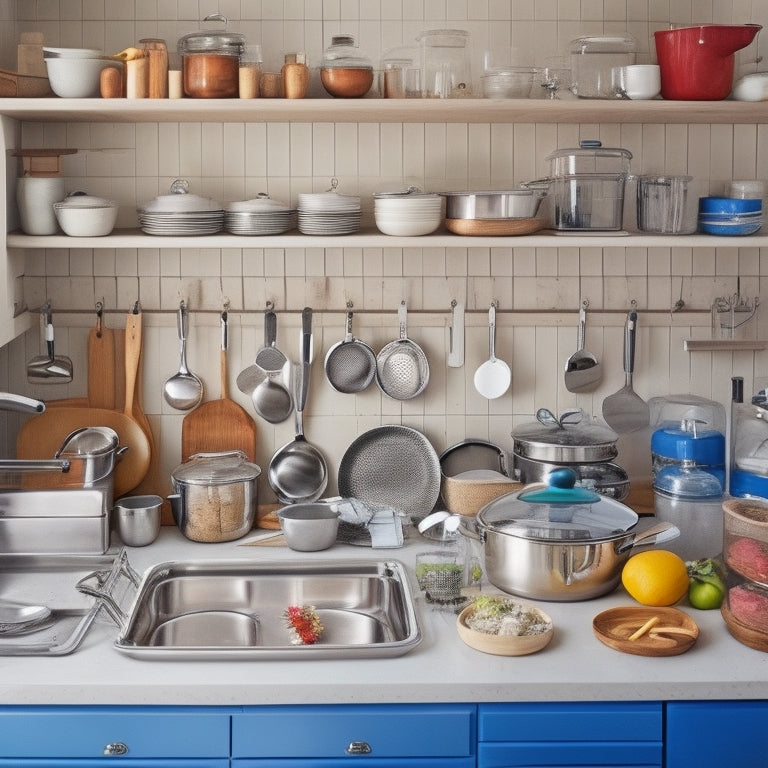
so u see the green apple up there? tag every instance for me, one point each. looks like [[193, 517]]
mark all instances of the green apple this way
[[707, 588]]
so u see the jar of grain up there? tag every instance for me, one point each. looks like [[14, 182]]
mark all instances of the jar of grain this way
[[215, 496], [211, 61]]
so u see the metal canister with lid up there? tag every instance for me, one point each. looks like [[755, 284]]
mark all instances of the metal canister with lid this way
[[211, 61]]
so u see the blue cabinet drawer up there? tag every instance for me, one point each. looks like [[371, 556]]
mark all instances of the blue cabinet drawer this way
[[354, 732], [717, 733], [570, 753], [572, 722], [85, 732]]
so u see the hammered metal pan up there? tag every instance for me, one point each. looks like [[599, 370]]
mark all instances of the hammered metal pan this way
[[392, 466]]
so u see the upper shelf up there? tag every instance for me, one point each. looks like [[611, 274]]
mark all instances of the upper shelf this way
[[372, 238], [383, 110]]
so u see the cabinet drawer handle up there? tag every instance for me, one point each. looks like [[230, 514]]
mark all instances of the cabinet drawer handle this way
[[359, 748], [116, 748]]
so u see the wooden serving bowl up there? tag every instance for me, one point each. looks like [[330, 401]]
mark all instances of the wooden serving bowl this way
[[615, 626], [504, 645]]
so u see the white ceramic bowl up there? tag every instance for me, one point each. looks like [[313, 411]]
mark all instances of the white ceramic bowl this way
[[73, 78], [400, 227], [95, 220], [72, 53], [309, 527]]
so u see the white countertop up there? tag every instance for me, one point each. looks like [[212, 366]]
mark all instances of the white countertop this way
[[574, 667]]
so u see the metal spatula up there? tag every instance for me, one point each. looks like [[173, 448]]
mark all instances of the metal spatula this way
[[49, 368], [625, 411]]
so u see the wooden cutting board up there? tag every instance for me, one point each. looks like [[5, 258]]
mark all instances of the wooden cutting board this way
[[101, 366], [219, 425]]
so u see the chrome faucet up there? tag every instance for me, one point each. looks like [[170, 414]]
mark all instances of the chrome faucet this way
[[11, 402]]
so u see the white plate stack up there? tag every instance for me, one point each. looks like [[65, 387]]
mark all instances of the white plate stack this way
[[328, 213], [181, 214], [259, 216]]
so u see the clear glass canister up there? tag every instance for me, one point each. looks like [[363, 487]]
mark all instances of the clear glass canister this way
[[445, 63], [211, 61], [593, 58], [345, 71]]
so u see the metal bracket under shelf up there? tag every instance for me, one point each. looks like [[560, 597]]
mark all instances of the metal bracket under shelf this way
[[723, 345]]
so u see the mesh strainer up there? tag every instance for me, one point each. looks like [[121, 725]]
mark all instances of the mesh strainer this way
[[392, 466], [402, 368], [350, 365]]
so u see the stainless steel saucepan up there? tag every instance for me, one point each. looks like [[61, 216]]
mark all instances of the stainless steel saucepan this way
[[559, 542]]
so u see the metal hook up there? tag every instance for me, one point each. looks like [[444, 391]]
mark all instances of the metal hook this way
[[99, 318]]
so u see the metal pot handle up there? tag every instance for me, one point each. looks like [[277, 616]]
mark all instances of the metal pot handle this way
[[469, 528], [104, 587], [656, 534]]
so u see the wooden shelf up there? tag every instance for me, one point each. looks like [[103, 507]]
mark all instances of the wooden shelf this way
[[383, 110], [372, 238], [723, 345]]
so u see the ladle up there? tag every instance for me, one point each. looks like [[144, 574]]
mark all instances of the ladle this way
[[184, 390], [493, 377], [298, 471], [582, 369]]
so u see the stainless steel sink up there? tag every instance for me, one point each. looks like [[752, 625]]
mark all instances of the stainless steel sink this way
[[235, 609]]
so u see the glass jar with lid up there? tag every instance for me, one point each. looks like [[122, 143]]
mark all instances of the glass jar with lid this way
[[445, 63], [345, 71], [593, 58], [211, 61]]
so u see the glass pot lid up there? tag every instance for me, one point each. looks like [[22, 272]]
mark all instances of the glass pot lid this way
[[589, 157], [343, 53], [573, 438], [213, 40], [216, 469], [559, 512]]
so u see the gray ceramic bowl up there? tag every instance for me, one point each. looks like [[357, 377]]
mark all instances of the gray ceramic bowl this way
[[309, 527]]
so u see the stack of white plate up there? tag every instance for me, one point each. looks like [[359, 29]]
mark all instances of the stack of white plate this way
[[259, 216], [407, 214], [328, 213], [180, 213]]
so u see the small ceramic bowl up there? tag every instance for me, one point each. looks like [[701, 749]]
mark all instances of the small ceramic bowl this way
[[729, 205], [309, 527], [86, 216], [506, 645]]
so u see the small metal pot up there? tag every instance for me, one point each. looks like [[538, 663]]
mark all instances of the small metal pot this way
[[215, 496], [558, 542]]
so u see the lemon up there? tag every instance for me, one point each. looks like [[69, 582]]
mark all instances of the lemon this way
[[657, 577]]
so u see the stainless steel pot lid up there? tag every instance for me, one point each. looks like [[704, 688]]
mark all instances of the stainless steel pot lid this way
[[216, 469], [558, 512], [573, 438], [89, 441]]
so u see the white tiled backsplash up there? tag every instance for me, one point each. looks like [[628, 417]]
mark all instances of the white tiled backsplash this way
[[538, 289]]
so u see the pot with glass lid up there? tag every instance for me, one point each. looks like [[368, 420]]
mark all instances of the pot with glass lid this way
[[558, 541]]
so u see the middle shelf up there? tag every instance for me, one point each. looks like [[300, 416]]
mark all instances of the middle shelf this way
[[372, 238]]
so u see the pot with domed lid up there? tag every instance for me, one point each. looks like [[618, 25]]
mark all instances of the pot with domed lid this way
[[558, 541]]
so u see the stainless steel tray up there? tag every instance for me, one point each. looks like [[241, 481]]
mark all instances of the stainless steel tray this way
[[52, 580], [235, 610]]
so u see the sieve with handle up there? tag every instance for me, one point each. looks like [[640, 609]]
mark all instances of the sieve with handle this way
[[350, 364], [402, 368]]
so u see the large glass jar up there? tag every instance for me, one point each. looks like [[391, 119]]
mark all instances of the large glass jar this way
[[593, 58], [345, 71], [211, 61], [445, 63]]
